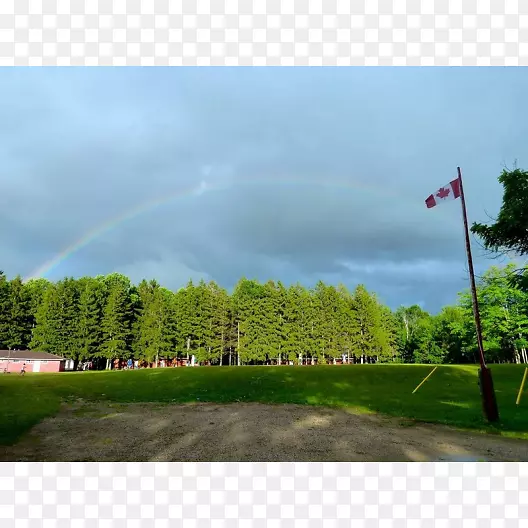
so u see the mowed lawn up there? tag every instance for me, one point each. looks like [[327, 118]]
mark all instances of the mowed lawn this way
[[450, 396]]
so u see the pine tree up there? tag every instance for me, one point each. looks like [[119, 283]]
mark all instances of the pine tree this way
[[327, 315], [155, 337], [44, 334], [372, 338], [115, 325], [57, 322], [67, 320], [184, 310], [220, 320], [347, 323], [108, 317], [306, 324], [36, 289], [202, 310], [252, 303], [19, 324], [298, 325], [91, 304], [279, 298], [390, 326], [319, 333], [4, 311], [241, 314]]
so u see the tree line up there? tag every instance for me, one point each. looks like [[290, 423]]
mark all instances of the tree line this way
[[107, 317]]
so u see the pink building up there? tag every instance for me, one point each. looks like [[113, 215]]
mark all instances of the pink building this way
[[13, 360]]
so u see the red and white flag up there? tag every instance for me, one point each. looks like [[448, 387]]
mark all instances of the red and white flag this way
[[451, 191]]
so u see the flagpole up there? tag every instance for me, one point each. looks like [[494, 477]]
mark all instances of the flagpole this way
[[489, 401]]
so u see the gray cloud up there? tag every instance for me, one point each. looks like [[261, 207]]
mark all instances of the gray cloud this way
[[297, 174]]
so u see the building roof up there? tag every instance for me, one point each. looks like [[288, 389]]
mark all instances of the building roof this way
[[29, 354]]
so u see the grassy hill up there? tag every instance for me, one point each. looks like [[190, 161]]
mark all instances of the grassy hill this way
[[451, 396]]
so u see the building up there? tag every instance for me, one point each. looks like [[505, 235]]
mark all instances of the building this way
[[13, 360]]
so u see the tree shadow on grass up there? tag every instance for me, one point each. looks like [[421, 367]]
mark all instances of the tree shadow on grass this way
[[450, 396]]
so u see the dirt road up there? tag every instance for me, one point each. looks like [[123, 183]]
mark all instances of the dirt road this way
[[247, 432]]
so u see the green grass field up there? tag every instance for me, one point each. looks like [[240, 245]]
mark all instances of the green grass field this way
[[451, 396]]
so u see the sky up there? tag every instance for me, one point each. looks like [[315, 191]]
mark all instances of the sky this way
[[291, 174]]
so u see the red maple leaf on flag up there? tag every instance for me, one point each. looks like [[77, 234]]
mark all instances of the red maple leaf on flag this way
[[442, 193]]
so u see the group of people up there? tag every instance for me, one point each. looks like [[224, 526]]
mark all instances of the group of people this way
[[132, 364], [22, 370]]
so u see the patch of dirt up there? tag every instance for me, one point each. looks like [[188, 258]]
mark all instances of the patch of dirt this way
[[247, 432]]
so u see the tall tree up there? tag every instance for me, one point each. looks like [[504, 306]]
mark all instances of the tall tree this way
[[108, 317], [504, 315], [57, 321], [295, 325], [36, 289], [409, 328], [372, 336], [67, 321], [220, 321], [184, 304], [92, 300], [390, 327], [4, 310], [155, 336], [450, 335], [116, 323], [509, 232], [44, 334], [19, 327]]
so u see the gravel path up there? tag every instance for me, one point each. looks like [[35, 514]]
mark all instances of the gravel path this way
[[247, 432]]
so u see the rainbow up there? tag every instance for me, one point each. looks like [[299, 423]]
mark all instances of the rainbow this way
[[103, 228], [196, 190]]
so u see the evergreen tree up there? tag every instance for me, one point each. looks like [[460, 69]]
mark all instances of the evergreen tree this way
[[91, 304], [155, 336], [4, 311], [116, 323], [57, 321], [67, 320], [184, 312], [203, 319], [18, 334], [372, 338], [320, 324], [220, 322], [390, 326], [35, 289], [347, 328], [44, 334], [110, 318], [272, 306], [295, 342]]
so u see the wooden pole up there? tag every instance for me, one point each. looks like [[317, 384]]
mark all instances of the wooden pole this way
[[238, 344], [522, 387], [425, 379], [476, 312], [489, 401]]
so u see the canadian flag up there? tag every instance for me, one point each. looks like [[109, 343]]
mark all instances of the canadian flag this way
[[451, 191]]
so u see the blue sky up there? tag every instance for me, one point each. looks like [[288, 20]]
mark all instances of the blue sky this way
[[309, 173]]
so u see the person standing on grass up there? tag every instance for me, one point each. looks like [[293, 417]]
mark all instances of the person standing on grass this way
[[129, 363], [23, 369]]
